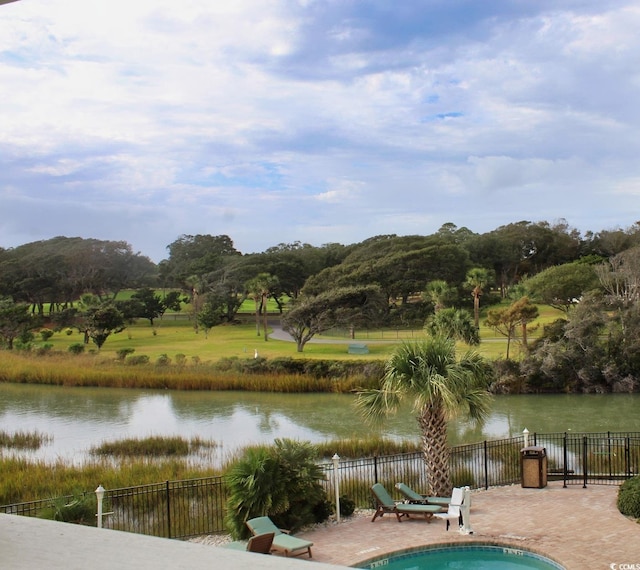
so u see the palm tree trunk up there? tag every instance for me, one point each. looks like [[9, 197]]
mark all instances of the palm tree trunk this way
[[435, 447], [476, 307], [264, 312]]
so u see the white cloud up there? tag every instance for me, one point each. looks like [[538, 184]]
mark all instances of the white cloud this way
[[338, 120]]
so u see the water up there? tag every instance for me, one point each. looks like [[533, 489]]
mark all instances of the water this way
[[79, 418], [468, 557]]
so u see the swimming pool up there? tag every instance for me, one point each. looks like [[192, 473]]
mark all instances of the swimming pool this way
[[463, 557]]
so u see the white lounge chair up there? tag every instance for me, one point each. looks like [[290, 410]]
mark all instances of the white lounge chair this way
[[454, 512]]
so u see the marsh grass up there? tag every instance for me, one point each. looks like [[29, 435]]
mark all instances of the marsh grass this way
[[27, 480], [129, 463], [355, 448], [155, 446], [23, 440], [98, 371]]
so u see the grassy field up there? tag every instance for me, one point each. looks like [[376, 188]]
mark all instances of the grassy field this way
[[175, 335]]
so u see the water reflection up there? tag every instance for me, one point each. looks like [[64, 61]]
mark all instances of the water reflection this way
[[79, 418]]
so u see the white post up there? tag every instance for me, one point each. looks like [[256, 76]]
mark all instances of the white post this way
[[525, 432], [465, 509], [99, 497], [336, 483]]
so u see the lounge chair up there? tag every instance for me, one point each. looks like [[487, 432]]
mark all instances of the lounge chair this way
[[454, 512], [385, 504], [282, 541], [412, 497], [260, 543]]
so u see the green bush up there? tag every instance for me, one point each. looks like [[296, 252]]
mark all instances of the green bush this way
[[78, 510], [137, 360], [163, 360], [44, 349], [76, 348], [282, 482], [124, 352], [46, 334], [347, 506], [322, 511], [629, 498]]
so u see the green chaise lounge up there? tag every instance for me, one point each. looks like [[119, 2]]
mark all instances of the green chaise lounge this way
[[411, 496], [260, 543], [282, 541], [385, 504]]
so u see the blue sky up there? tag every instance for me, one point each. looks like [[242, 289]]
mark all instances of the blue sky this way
[[318, 121]]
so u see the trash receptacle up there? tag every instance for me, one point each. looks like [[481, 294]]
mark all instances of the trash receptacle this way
[[533, 464]]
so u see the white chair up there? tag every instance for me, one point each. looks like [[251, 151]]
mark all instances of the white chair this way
[[453, 512]]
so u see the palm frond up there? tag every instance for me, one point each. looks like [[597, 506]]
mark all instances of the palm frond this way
[[376, 405]]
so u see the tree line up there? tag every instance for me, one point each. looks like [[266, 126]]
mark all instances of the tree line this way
[[443, 281]]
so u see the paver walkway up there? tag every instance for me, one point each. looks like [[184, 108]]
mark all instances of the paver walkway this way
[[580, 528]]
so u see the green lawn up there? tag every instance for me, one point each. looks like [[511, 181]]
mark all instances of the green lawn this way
[[176, 335]]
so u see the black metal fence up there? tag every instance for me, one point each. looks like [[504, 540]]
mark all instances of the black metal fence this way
[[173, 509], [182, 509]]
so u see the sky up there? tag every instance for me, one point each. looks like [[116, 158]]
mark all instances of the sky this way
[[319, 121]]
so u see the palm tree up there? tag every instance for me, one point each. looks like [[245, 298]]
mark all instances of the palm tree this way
[[259, 288], [477, 279], [440, 293], [442, 387], [454, 323]]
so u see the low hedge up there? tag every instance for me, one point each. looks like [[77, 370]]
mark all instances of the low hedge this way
[[629, 497]]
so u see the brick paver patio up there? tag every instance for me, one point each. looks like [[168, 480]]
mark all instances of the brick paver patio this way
[[580, 528]]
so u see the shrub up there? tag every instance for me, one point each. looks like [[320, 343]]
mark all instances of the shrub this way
[[44, 349], [282, 482], [124, 352], [347, 506], [137, 360], [181, 359], [46, 334], [79, 510], [323, 510], [163, 360], [629, 498], [76, 348]]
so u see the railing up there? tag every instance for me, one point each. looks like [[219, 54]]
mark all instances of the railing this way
[[182, 509], [174, 509]]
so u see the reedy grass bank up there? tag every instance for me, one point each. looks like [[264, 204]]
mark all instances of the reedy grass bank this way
[[23, 440], [95, 371], [155, 446], [24, 480]]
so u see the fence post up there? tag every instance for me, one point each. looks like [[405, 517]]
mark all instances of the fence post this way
[[627, 456], [336, 483], [168, 511], [486, 466], [584, 461], [565, 458], [375, 468], [525, 433], [99, 497]]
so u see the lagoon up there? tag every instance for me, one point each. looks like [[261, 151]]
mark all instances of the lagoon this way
[[77, 419]]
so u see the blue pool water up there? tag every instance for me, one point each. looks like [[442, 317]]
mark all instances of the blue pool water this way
[[464, 557]]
